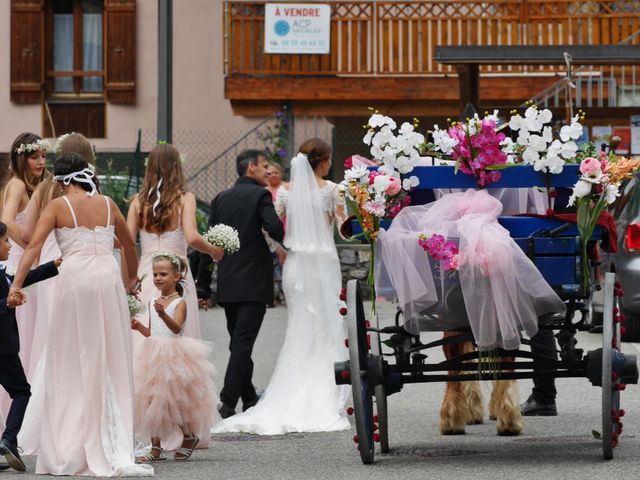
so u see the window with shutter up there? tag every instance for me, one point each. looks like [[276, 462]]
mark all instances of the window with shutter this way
[[72, 56], [27, 41], [120, 51], [74, 66]]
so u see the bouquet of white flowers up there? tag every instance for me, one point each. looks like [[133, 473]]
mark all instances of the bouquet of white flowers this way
[[135, 306], [223, 236]]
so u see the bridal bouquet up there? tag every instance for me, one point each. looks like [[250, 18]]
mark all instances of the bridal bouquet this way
[[597, 188], [475, 145], [223, 236], [135, 306]]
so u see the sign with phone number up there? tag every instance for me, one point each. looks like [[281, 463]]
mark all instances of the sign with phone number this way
[[297, 28]]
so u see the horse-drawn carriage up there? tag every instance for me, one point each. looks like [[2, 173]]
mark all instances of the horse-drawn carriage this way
[[554, 248]]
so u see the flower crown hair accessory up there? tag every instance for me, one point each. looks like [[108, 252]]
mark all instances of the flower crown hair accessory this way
[[81, 176], [172, 257], [60, 141], [38, 145]]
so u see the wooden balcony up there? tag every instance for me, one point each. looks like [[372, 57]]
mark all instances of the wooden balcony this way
[[383, 54]]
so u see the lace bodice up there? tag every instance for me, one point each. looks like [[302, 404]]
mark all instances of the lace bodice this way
[[79, 239], [331, 200], [158, 327], [172, 241]]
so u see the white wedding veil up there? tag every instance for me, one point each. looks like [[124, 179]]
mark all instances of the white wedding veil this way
[[308, 226]]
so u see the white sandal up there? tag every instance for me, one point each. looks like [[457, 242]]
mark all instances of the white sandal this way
[[149, 457], [186, 452]]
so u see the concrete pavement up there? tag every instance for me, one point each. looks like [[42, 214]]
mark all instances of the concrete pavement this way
[[551, 447]]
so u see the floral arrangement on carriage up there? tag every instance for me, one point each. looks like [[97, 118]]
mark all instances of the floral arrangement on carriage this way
[[595, 191], [372, 195]]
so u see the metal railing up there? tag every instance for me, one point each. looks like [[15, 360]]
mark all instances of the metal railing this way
[[596, 86]]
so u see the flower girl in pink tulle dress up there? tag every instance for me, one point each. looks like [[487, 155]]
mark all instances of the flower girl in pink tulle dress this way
[[173, 376]]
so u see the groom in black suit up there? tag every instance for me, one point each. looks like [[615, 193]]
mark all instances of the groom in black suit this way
[[245, 279], [12, 377]]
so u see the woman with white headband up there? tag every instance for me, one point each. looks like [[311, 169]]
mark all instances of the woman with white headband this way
[[87, 416], [47, 191]]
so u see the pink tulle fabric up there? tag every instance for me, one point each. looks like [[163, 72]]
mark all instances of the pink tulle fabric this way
[[174, 386], [496, 289]]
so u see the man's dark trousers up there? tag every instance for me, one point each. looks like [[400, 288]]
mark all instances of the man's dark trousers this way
[[544, 386], [244, 320], [13, 380]]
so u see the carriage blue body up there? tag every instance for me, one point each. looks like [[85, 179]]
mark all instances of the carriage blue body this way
[[557, 257]]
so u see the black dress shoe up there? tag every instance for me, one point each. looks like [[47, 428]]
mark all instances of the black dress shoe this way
[[226, 411], [533, 408], [12, 456]]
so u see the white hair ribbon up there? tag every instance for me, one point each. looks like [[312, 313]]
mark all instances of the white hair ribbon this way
[[85, 176], [156, 204]]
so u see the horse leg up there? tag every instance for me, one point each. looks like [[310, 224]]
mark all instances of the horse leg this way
[[473, 394], [505, 407], [455, 413]]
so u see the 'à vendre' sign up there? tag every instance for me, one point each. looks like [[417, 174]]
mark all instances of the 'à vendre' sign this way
[[297, 28]]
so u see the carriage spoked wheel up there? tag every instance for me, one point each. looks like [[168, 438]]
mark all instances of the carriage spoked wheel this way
[[610, 381], [361, 387], [380, 394]]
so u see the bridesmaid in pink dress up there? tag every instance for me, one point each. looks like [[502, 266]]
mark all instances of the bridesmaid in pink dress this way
[[47, 191], [164, 215], [87, 418], [27, 171]]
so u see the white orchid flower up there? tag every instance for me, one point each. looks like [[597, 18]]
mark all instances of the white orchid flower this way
[[406, 128], [545, 116], [404, 164], [537, 143], [523, 137], [516, 122], [547, 134], [411, 182], [367, 138], [569, 150], [530, 156]]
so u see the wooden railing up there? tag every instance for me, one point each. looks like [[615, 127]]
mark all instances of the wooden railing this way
[[376, 37]]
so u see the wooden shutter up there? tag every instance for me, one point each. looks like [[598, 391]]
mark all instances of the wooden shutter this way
[[120, 51], [27, 40]]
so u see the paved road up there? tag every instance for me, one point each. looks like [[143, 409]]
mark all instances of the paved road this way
[[560, 447]]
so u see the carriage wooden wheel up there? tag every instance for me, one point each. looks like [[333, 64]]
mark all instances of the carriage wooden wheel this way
[[362, 389]]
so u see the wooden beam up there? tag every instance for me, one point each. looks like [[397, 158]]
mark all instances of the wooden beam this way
[[378, 89]]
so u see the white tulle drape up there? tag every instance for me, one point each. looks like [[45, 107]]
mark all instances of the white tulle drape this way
[[496, 290]]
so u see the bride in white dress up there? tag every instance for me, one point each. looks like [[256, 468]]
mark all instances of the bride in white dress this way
[[302, 395]]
